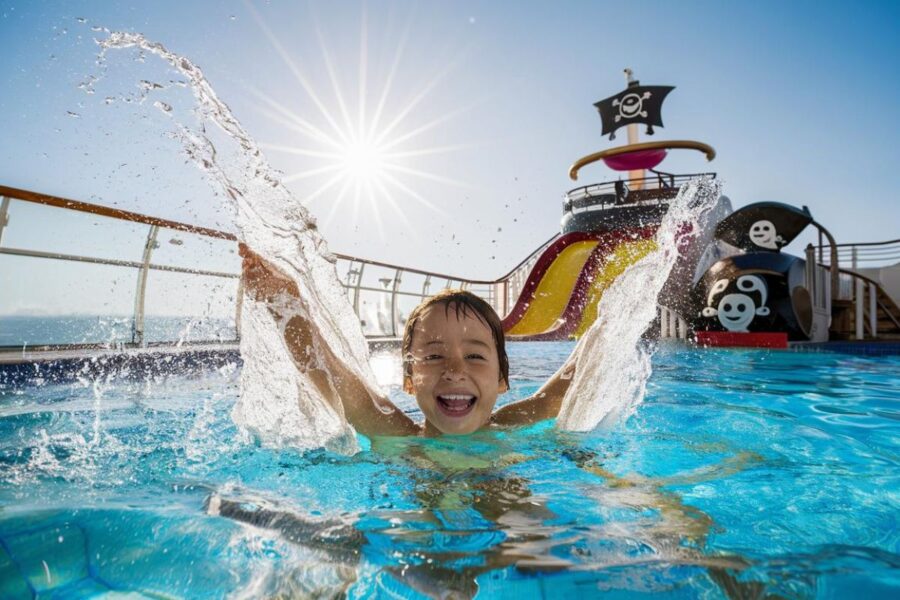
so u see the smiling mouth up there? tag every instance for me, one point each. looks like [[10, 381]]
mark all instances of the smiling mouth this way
[[727, 318], [456, 405]]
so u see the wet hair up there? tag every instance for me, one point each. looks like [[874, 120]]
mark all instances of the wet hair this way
[[463, 303]]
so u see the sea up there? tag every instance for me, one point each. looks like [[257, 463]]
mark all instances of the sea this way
[[26, 331]]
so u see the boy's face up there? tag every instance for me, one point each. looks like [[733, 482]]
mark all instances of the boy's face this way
[[455, 370]]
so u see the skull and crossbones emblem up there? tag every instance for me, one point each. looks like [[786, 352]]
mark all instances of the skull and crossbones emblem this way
[[631, 106]]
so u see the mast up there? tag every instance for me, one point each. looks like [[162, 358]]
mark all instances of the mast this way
[[637, 175]]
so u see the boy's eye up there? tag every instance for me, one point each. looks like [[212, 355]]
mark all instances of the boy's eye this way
[[476, 356], [433, 357]]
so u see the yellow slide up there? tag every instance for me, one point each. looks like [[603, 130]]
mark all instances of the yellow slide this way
[[555, 288], [625, 255]]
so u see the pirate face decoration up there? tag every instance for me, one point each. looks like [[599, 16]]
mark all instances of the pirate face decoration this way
[[737, 309], [763, 234]]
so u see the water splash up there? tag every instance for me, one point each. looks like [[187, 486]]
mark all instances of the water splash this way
[[278, 404], [612, 364]]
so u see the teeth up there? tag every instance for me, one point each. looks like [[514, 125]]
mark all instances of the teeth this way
[[457, 397]]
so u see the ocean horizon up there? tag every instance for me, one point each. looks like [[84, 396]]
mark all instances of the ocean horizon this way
[[39, 330]]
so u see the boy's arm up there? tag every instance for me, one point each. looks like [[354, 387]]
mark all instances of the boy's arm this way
[[369, 411], [545, 404]]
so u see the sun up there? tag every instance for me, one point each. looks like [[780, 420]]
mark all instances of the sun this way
[[365, 161], [360, 151]]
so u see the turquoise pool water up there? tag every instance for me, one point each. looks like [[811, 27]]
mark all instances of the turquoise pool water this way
[[742, 473]]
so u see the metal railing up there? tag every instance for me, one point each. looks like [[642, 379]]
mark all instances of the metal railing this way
[[393, 289], [641, 191], [144, 266], [855, 288], [868, 254], [671, 324]]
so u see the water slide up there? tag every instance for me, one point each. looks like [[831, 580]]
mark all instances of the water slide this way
[[559, 299]]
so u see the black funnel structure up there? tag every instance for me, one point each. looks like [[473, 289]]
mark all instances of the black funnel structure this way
[[762, 290], [755, 292]]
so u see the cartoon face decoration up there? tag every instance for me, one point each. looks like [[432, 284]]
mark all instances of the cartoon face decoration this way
[[763, 234], [737, 309], [631, 106]]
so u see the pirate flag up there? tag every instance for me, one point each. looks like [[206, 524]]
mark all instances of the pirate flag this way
[[635, 104]]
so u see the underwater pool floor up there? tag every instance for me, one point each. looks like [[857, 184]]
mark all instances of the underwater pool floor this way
[[743, 473]]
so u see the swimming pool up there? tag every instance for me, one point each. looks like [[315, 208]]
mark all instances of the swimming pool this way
[[742, 472]]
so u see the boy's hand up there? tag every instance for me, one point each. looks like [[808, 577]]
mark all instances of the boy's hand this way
[[263, 280]]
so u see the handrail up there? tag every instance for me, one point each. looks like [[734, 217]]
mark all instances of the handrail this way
[[868, 252], [526, 259], [858, 275], [885, 243], [105, 211], [833, 257], [660, 178]]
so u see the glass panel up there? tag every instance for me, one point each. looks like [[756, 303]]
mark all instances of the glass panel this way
[[193, 251], [412, 283], [380, 278], [374, 312], [405, 305], [44, 301], [51, 229], [181, 307]]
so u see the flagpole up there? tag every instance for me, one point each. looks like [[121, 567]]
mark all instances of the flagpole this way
[[633, 133]]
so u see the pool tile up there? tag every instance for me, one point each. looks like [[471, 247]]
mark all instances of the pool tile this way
[[50, 558], [12, 585]]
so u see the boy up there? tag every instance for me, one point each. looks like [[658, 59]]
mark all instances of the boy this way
[[455, 364], [454, 359]]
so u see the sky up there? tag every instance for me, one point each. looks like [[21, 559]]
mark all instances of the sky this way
[[438, 135]]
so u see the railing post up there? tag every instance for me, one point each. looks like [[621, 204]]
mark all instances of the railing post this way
[[137, 324], [854, 257], [394, 314], [359, 275], [873, 307], [239, 308], [4, 215], [858, 305], [682, 328], [663, 322], [811, 273]]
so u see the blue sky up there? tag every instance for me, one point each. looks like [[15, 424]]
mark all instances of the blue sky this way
[[798, 98]]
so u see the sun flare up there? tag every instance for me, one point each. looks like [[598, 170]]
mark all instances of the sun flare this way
[[364, 152], [365, 161]]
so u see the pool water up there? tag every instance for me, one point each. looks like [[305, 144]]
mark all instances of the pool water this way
[[743, 473]]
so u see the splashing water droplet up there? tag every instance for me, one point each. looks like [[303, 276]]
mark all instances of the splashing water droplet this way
[[149, 85], [612, 364], [280, 404]]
